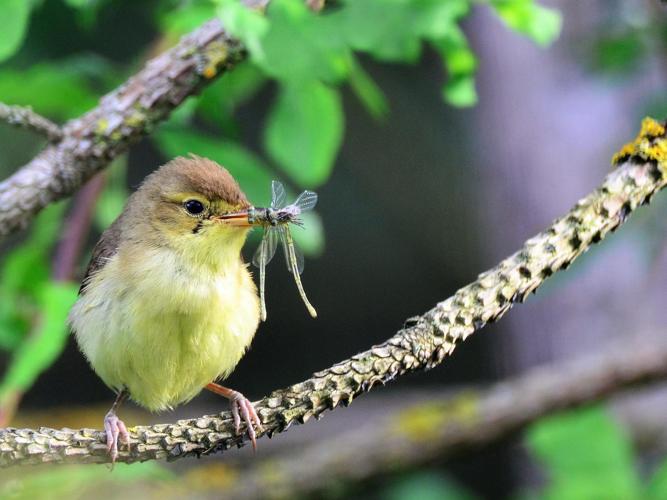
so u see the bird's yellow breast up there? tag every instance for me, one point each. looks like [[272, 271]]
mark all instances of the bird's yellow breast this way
[[162, 328]]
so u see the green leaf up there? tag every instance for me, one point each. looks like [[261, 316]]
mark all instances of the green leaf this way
[[45, 342], [398, 25], [218, 101], [388, 37], [14, 15], [461, 64], [249, 25], [460, 91], [541, 24], [368, 91], [290, 43], [435, 19], [586, 455], [304, 132], [249, 170], [399, 28], [301, 46]]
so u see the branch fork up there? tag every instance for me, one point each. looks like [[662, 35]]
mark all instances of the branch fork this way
[[25, 117]]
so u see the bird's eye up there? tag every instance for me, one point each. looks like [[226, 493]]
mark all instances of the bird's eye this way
[[194, 207]]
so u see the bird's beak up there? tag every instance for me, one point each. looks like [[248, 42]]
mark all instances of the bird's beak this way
[[236, 219]]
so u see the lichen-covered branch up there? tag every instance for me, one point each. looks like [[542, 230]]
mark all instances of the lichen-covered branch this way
[[440, 427], [641, 171], [25, 117], [90, 142]]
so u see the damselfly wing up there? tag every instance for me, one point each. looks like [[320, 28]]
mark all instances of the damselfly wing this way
[[276, 220]]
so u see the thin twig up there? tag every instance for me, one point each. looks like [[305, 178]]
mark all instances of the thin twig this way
[[90, 142], [25, 117], [421, 345]]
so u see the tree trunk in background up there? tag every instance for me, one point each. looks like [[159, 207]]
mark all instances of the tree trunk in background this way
[[535, 118]]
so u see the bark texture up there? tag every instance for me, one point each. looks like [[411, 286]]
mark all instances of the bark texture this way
[[441, 427], [640, 172], [89, 143]]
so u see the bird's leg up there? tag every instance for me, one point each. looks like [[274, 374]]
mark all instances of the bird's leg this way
[[115, 427], [241, 408]]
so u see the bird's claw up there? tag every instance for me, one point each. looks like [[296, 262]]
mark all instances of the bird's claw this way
[[115, 428], [243, 408]]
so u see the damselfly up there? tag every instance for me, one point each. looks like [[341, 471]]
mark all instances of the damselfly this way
[[276, 220]]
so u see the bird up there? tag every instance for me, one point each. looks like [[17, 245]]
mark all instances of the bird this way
[[167, 305]]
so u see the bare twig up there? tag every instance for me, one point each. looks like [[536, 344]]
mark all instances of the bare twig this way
[[443, 426], [25, 117], [422, 344], [90, 142]]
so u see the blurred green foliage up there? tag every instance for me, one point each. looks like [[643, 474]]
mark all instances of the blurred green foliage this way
[[14, 14], [586, 453], [624, 41], [68, 90], [425, 486], [297, 138], [308, 55], [583, 454], [86, 482], [524, 16], [33, 308]]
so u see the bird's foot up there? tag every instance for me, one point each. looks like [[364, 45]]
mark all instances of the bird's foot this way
[[115, 428], [242, 408]]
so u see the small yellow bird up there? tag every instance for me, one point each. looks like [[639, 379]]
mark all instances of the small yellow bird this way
[[167, 305]]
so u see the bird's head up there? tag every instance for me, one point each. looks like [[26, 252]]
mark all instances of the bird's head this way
[[180, 206]]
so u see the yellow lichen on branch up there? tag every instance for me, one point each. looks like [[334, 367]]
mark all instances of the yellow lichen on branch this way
[[422, 422], [650, 144]]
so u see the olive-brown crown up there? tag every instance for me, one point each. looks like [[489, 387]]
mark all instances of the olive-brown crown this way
[[197, 175]]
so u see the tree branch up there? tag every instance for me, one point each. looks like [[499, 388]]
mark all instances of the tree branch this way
[[90, 142], [422, 344], [444, 426], [25, 117]]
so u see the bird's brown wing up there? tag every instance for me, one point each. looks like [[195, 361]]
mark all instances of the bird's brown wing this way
[[105, 248]]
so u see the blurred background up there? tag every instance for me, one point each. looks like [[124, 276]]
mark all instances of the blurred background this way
[[436, 152]]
